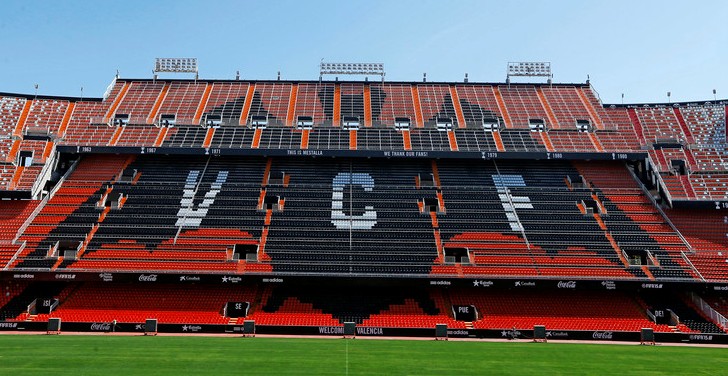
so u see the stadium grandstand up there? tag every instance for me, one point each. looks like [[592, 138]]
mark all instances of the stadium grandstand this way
[[303, 205]]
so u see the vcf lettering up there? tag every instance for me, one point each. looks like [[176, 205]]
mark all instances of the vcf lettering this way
[[341, 220], [189, 217], [509, 202]]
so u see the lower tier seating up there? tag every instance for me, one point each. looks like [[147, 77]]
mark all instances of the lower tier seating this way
[[568, 310], [367, 303], [136, 303]]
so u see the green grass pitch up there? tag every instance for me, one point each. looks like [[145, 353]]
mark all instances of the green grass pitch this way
[[138, 355]]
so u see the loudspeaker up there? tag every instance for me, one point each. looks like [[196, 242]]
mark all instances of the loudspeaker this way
[[441, 331], [539, 333], [54, 325], [647, 336], [249, 328], [150, 327]]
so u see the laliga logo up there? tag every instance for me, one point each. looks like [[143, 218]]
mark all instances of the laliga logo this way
[[566, 285]]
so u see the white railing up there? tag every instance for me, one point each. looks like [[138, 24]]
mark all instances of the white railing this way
[[659, 210], [43, 202], [45, 173], [709, 311], [15, 256], [30, 218], [687, 260]]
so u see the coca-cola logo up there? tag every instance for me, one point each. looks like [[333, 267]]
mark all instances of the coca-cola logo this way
[[148, 278], [101, 326], [602, 335], [566, 284]]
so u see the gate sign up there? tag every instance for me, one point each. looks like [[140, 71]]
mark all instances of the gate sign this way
[[236, 309], [45, 305], [465, 312]]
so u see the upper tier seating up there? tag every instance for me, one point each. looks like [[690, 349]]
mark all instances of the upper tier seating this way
[[10, 111], [354, 217], [523, 104], [660, 123], [80, 129], [47, 114], [182, 101], [707, 124], [139, 101]]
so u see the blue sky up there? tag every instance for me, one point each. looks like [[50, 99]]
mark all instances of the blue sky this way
[[640, 48]]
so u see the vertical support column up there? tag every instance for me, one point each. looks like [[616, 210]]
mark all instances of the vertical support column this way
[[256, 138], [304, 139], [112, 110], [158, 103], [453, 141], [637, 125], [18, 132], [203, 103], [458, 108], [590, 108], [547, 107], [246, 106], [419, 123], [595, 142], [406, 139], [352, 139], [208, 137], [337, 105], [290, 118], [546, 141], [66, 119], [498, 141], [116, 136], [367, 106], [502, 107]]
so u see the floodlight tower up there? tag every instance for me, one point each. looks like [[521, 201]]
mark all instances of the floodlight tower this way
[[529, 69], [362, 69], [176, 65]]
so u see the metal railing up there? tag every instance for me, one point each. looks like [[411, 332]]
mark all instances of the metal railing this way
[[714, 315]]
